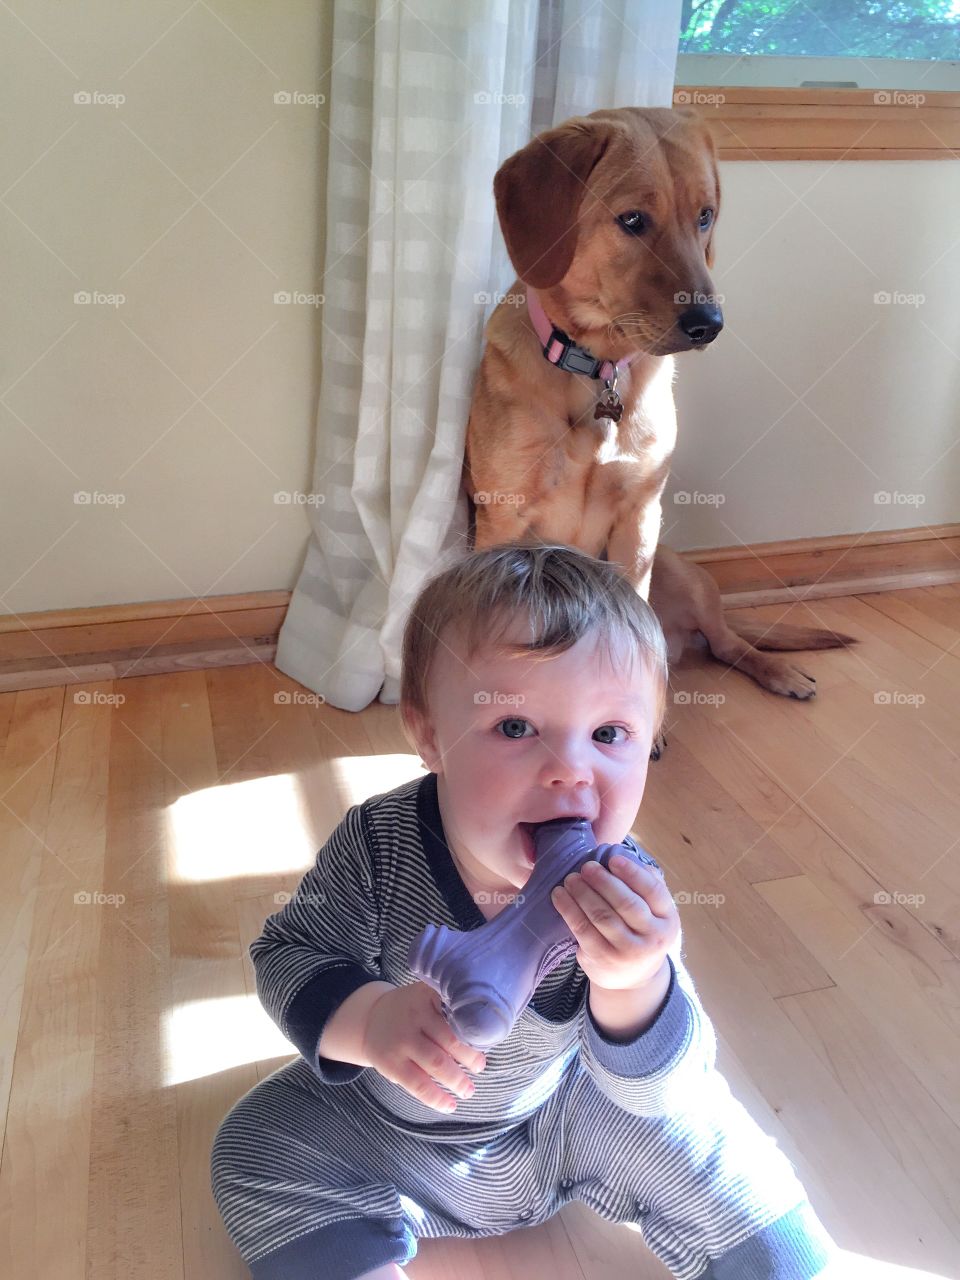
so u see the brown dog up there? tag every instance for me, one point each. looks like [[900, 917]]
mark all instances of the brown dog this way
[[609, 221]]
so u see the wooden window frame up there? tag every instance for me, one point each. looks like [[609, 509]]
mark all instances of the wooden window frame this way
[[827, 124]]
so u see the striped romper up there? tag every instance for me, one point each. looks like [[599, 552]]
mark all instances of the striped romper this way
[[327, 1169]]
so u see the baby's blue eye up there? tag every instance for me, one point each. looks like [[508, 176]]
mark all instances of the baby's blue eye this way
[[513, 723]]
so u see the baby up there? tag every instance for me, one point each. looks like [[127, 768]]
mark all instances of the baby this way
[[533, 684]]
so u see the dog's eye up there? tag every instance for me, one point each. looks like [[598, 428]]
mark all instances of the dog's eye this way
[[706, 217], [634, 222]]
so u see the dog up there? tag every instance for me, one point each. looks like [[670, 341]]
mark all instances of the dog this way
[[609, 222]]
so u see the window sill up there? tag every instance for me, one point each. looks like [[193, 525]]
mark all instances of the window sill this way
[[827, 124]]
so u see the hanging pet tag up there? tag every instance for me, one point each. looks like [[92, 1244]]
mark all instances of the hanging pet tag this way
[[609, 405]]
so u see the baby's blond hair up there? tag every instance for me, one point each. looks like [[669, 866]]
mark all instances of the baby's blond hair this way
[[564, 593]]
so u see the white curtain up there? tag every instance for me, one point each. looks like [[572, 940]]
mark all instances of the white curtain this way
[[426, 100]]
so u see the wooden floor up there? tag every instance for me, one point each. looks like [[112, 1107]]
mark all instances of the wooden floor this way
[[129, 1023]]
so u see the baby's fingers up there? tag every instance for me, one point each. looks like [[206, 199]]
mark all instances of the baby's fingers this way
[[439, 1066]]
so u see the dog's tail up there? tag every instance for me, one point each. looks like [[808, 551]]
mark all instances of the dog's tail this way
[[781, 635]]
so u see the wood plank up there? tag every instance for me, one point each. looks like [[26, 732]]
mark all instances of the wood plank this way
[[885, 992], [206, 977], [134, 1192], [917, 1132], [855, 1185]]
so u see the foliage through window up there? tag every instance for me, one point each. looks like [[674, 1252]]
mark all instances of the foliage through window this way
[[822, 28]]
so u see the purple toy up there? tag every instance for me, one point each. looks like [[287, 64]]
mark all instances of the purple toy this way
[[487, 976]]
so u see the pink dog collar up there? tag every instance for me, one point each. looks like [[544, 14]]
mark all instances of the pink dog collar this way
[[560, 349]]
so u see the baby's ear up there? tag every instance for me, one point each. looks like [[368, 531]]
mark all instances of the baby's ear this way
[[419, 732]]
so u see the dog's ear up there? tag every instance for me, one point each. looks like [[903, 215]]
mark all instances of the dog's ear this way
[[538, 193]]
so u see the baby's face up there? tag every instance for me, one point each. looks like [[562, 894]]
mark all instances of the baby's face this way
[[517, 740]]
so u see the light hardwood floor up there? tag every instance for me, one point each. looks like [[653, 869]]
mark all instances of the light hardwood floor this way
[[830, 968]]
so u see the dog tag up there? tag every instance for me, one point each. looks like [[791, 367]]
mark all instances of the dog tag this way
[[609, 406]]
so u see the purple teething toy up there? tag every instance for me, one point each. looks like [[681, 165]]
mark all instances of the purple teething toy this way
[[487, 976]]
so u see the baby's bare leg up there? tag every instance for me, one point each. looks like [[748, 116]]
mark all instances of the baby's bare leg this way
[[390, 1272]]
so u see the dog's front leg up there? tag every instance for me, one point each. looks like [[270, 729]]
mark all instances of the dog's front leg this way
[[633, 543]]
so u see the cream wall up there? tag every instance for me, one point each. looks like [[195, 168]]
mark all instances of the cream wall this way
[[198, 198]]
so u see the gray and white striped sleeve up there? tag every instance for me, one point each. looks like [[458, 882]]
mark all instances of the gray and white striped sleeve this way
[[666, 1065], [323, 944]]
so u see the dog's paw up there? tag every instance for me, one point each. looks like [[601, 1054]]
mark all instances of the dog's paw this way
[[793, 683]]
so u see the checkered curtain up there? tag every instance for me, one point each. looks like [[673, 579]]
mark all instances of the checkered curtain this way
[[427, 99]]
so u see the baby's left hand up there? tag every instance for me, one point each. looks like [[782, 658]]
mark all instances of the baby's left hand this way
[[624, 920]]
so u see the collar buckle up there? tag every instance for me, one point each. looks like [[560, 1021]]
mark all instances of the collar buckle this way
[[573, 358]]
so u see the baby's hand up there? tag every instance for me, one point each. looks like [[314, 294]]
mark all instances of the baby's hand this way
[[408, 1040], [624, 919]]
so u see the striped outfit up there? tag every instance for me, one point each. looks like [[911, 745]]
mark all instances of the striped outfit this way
[[327, 1169]]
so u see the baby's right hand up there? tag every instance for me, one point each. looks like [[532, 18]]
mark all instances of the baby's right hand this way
[[408, 1040]]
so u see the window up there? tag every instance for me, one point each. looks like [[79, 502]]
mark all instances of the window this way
[[824, 79]]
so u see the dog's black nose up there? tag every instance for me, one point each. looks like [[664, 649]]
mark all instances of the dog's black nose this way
[[701, 323]]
